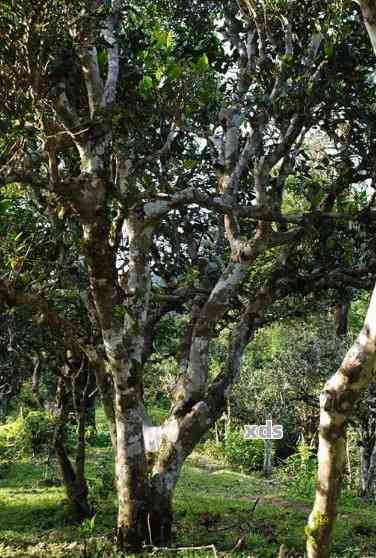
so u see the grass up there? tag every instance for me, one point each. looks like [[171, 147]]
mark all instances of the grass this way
[[212, 506]]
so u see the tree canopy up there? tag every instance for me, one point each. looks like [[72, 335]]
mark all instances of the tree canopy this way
[[207, 160]]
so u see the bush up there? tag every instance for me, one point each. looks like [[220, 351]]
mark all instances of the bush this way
[[101, 439], [103, 484], [39, 430], [26, 435], [212, 450], [299, 471], [248, 455]]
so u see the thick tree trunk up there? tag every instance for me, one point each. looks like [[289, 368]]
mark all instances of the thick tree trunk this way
[[337, 402], [131, 473], [160, 515]]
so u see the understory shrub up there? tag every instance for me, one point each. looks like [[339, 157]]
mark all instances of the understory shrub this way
[[103, 483], [101, 439], [26, 435], [299, 470], [248, 455]]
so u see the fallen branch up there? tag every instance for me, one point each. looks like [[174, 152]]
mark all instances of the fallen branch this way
[[156, 549]]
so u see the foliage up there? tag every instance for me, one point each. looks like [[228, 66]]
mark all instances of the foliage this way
[[102, 485], [282, 375], [298, 472], [28, 434], [98, 439], [247, 455]]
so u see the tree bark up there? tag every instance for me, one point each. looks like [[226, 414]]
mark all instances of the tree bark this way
[[268, 458], [336, 404], [131, 462], [368, 8], [75, 486], [160, 515], [368, 450], [364, 467], [368, 471], [131, 474], [74, 479], [341, 318]]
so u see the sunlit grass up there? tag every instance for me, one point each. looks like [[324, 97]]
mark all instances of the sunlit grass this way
[[212, 506]]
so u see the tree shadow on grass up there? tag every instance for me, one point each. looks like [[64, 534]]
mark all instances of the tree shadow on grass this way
[[28, 516], [23, 474]]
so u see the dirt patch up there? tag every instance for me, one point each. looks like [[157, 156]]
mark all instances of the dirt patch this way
[[279, 502], [203, 462]]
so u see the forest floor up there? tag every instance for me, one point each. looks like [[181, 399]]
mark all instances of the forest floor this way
[[240, 515]]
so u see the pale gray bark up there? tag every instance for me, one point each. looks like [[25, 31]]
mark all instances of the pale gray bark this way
[[337, 402], [364, 467], [368, 8], [268, 458]]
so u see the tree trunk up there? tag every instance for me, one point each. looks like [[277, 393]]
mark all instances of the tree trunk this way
[[268, 458], [368, 468], [160, 515], [364, 466], [76, 377], [337, 402], [369, 14], [341, 318], [370, 487], [131, 472], [75, 486], [348, 459]]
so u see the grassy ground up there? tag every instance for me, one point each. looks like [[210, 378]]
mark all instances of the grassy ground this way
[[212, 506]]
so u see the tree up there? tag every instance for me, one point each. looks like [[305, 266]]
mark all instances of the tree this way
[[337, 402], [168, 139]]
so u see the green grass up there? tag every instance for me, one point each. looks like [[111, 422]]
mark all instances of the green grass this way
[[212, 506]]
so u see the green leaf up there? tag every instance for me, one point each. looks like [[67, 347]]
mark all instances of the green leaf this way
[[116, 118], [202, 64], [169, 40], [175, 71], [4, 205], [159, 36], [329, 50], [18, 236], [119, 311], [159, 73], [189, 163], [331, 244], [61, 212], [147, 83]]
